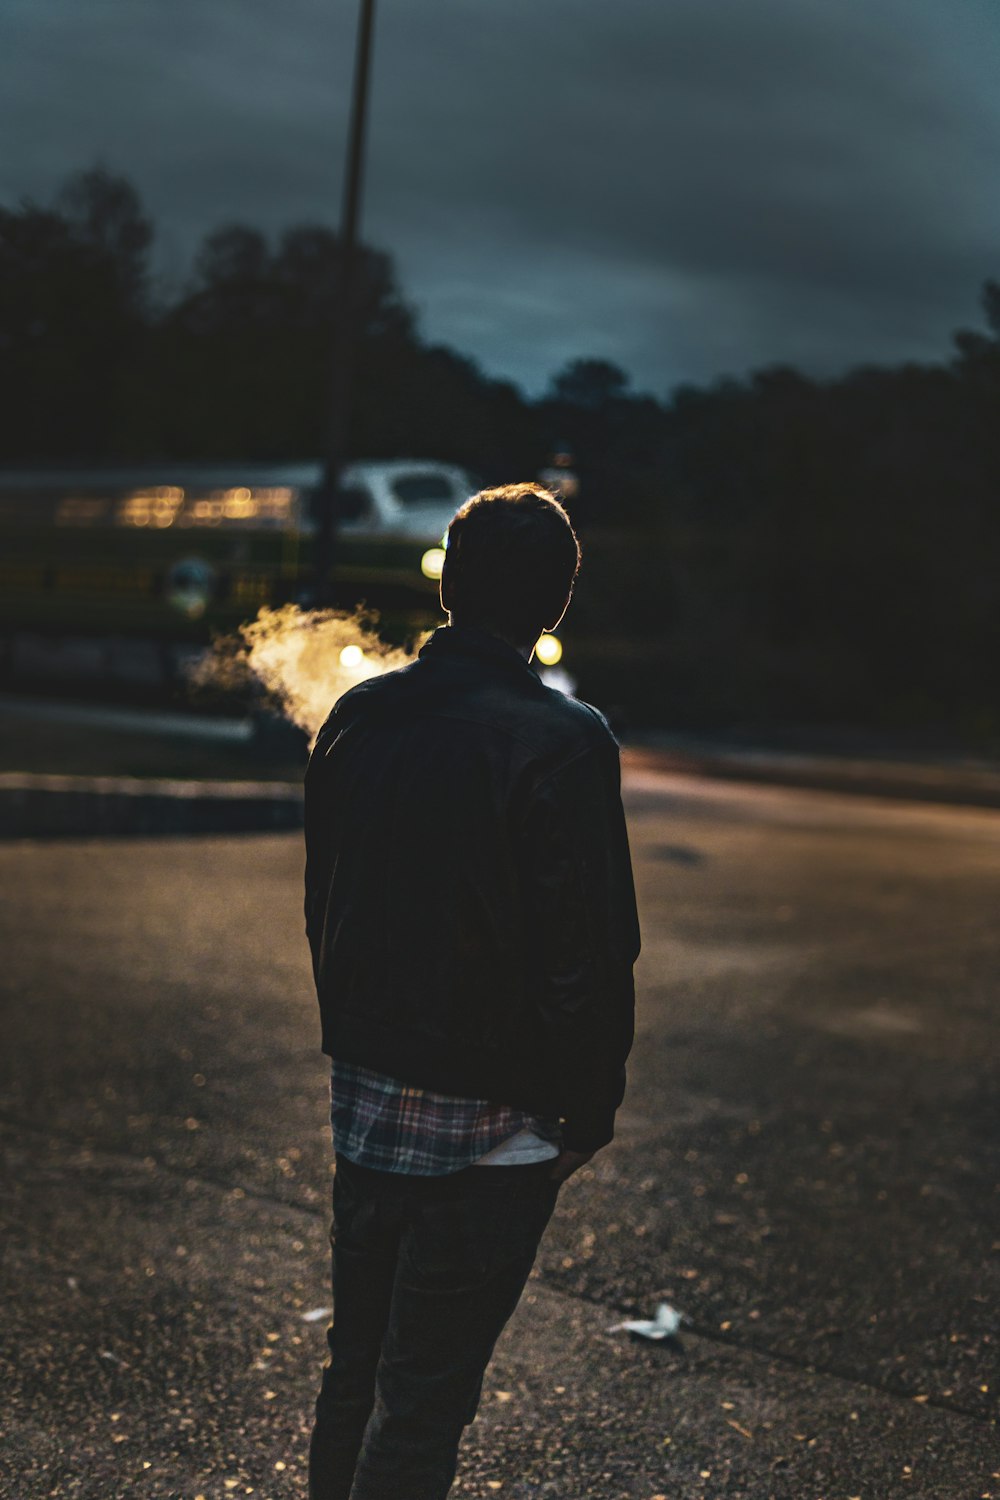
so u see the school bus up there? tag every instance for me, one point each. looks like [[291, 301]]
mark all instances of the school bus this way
[[142, 565]]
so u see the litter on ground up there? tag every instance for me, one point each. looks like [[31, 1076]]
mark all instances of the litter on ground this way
[[664, 1326]]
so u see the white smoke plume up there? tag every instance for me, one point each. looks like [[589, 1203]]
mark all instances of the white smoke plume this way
[[303, 659]]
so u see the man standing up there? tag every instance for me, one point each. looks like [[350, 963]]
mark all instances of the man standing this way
[[472, 923]]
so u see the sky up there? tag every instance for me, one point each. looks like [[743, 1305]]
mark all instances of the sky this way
[[690, 188]]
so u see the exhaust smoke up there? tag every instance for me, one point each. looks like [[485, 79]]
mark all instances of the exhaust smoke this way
[[302, 659]]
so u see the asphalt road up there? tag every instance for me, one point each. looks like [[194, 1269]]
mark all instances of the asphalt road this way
[[805, 1166]]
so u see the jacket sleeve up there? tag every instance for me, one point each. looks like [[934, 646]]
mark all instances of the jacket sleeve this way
[[583, 936], [318, 835]]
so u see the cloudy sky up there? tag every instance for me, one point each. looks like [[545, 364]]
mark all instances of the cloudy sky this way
[[688, 187]]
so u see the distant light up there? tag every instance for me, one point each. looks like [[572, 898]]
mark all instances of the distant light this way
[[548, 649], [159, 506], [558, 677], [432, 562], [190, 585], [352, 657]]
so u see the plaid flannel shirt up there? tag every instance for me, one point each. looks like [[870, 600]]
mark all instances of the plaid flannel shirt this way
[[379, 1122]]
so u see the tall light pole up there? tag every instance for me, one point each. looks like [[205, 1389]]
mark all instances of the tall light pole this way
[[344, 329]]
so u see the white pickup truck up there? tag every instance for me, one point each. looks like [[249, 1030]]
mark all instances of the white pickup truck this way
[[413, 498]]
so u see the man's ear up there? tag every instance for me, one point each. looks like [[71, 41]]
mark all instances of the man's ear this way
[[445, 590]]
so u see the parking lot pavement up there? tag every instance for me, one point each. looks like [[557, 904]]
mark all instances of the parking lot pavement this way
[[168, 1331], [805, 1165]]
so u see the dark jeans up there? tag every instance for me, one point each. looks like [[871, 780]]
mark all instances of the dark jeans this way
[[426, 1272]]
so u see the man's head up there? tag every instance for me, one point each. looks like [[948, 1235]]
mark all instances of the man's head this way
[[511, 561]]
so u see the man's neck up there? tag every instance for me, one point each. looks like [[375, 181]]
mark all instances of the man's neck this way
[[522, 650]]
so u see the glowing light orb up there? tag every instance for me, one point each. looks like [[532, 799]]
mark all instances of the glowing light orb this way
[[352, 657], [432, 562], [548, 649]]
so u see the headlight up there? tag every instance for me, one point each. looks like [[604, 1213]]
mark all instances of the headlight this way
[[548, 649], [432, 562]]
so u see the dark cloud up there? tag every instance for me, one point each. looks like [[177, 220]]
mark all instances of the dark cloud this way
[[690, 188]]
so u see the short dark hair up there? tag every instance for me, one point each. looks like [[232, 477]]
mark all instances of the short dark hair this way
[[511, 561]]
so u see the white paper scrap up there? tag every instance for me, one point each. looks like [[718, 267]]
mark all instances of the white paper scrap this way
[[316, 1314], [666, 1323]]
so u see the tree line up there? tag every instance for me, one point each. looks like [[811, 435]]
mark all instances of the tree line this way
[[770, 548]]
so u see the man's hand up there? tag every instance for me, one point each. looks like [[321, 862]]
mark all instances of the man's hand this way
[[567, 1162]]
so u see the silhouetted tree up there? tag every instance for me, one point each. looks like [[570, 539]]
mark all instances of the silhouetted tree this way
[[247, 350], [104, 211], [792, 548], [73, 317], [589, 383]]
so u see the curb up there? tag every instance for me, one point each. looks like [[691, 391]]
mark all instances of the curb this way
[[975, 785], [41, 806], [93, 806]]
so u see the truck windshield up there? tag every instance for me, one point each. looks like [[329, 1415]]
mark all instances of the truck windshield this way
[[423, 489]]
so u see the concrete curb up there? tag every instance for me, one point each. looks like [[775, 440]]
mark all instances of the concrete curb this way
[[37, 806], [958, 784], [87, 806]]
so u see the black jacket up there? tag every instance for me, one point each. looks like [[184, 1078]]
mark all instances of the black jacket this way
[[469, 898]]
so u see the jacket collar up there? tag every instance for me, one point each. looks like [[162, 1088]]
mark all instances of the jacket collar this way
[[465, 640]]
